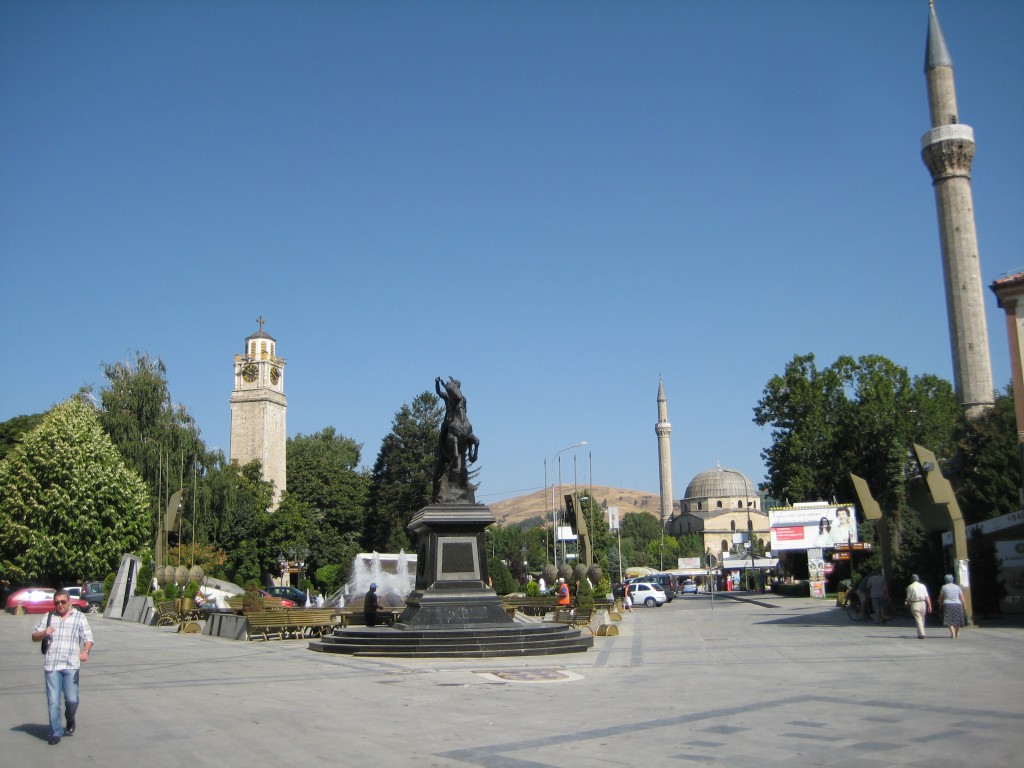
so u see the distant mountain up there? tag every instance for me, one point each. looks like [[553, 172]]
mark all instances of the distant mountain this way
[[538, 503]]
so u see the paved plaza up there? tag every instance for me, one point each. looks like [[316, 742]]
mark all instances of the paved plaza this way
[[769, 682]]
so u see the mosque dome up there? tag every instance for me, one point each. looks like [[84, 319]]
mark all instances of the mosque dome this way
[[720, 482]]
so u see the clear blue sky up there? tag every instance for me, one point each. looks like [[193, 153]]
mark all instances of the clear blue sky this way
[[555, 202]]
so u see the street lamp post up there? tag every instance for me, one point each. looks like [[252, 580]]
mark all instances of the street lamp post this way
[[282, 561], [750, 537], [554, 520]]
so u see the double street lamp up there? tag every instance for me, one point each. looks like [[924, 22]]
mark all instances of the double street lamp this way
[[554, 520]]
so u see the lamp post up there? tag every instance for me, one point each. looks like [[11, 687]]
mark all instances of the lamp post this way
[[282, 561], [301, 554], [750, 536], [554, 520]]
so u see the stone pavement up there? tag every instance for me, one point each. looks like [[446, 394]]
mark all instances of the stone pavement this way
[[770, 682]]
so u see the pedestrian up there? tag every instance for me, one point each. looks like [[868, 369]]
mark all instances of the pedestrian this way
[[627, 599], [951, 601], [371, 606], [67, 640], [878, 592], [919, 602], [563, 593]]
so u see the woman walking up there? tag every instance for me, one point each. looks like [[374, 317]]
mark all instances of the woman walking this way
[[951, 602]]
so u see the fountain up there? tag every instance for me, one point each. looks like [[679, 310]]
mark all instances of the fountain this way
[[388, 571]]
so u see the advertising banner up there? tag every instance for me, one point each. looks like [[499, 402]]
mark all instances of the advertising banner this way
[[809, 526]]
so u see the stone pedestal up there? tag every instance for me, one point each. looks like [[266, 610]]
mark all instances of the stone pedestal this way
[[451, 570]]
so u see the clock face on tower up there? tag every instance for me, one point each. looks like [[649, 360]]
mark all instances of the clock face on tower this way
[[249, 372], [275, 375]]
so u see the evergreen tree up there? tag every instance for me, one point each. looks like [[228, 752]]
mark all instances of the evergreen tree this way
[[69, 507], [402, 476]]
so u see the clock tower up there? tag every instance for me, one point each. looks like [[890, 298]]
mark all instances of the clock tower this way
[[258, 407]]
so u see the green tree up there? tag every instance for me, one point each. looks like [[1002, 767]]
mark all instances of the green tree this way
[[402, 476], [69, 507], [859, 416], [692, 545], [13, 430], [246, 530], [502, 580], [641, 539], [989, 463], [158, 438], [324, 475]]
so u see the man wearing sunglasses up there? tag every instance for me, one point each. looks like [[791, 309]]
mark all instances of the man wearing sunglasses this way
[[69, 641]]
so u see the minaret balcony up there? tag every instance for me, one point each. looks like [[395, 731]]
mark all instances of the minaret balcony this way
[[955, 132]]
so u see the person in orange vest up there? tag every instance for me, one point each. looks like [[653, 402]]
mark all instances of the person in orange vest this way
[[563, 593]]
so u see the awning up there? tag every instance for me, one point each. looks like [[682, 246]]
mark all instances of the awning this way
[[742, 563]]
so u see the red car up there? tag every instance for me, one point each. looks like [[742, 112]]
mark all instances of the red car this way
[[285, 602], [39, 600]]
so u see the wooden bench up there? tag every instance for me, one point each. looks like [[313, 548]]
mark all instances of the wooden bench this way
[[269, 603], [291, 623], [267, 624], [388, 616], [574, 617], [315, 622]]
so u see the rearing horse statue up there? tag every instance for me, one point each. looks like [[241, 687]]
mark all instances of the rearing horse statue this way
[[457, 446]]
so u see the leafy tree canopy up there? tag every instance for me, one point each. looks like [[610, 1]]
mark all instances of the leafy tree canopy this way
[[989, 463], [323, 473], [158, 438], [12, 430], [69, 507], [857, 416]]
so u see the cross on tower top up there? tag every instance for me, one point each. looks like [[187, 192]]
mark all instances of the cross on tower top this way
[[260, 321]]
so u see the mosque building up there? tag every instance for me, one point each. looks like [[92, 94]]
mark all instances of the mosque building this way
[[720, 504]]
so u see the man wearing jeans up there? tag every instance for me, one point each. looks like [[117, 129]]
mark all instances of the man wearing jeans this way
[[70, 639]]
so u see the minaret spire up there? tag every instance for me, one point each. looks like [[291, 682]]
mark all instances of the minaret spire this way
[[948, 151], [664, 429]]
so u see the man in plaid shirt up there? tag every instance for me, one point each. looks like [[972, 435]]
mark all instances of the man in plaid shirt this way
[[70, 640]]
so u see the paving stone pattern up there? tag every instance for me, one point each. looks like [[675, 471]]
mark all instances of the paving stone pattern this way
[[777, 682]]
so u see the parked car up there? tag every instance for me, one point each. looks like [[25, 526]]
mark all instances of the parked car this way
[[666, 581], [93, 593], [38, 600], [689, 587], [294, 594], [285, 602], [647, 593]]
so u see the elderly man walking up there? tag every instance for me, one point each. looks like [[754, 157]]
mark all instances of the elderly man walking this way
[[918, 601]]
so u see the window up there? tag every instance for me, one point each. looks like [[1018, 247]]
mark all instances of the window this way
[[732, 525], [725, 545], [718, 504]]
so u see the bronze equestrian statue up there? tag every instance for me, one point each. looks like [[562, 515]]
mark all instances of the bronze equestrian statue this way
[[457, 447]]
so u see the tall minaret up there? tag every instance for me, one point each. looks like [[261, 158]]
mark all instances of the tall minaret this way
[[664, 429], [947, 150], [258, 408]]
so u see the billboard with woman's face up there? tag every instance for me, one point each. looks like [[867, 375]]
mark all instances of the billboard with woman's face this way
[[808, 526]]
